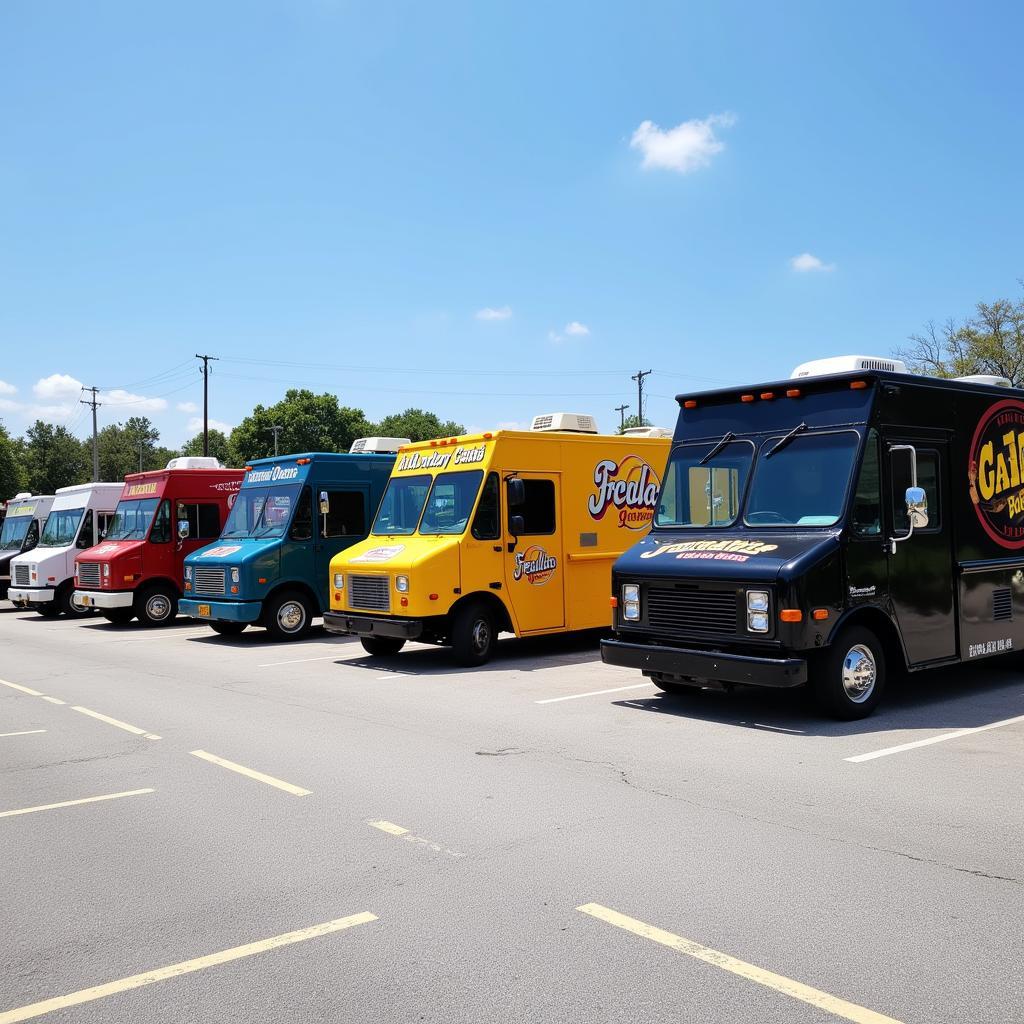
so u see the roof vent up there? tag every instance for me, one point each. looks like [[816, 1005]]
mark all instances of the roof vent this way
[[377, 445], [849, 364], [647, 432], [986, 378], [571, 422], [21, 496], [194, 462]]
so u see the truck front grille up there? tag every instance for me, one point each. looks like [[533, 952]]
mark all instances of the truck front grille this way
[[372, 592], [693, 611], [20, 577], [89, 574], [208, 581]]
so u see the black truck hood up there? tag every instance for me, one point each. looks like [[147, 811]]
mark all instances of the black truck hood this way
[[762, 557]]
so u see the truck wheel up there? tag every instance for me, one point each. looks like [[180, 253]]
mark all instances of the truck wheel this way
[[227, 628], [119, 616], [67, 605], [849, 680], [48, 610], [382, 646], [473, 635], [157, 605], [287, 616]]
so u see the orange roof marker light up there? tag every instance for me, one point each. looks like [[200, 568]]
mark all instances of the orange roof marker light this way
[[303, 462], [690, 403], [746, 398], [858, 385], [794, 393]]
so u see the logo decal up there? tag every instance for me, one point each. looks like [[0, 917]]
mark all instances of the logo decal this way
[[630, 487], [221, 552], [535, 564], [381, 554], [264, 476], [995, 473], [717, 550], [135, 490]]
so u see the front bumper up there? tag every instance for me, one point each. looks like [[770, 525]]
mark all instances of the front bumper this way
[[30, 595], [347, 624], [106, 598], [653, 659], [220, 611]]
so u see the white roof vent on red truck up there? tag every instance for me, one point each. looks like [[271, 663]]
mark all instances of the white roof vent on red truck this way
[[194, 462], [849, 364], [647, 432], [986, 378], [571, 422], [377, 445]]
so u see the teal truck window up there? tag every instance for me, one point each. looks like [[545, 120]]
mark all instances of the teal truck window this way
[[302, 523]]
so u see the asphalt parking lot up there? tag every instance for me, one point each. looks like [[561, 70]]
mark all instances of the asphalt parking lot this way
[[202, 829]]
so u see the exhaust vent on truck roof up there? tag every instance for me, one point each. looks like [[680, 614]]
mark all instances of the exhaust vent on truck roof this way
[[647, 432], [377, 445], [194, 462], [573, 422], [986, 378], [849, 364]]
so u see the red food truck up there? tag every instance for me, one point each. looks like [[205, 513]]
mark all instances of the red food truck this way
[[162, 517]]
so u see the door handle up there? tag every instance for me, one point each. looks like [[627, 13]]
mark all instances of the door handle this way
[[497, 547]]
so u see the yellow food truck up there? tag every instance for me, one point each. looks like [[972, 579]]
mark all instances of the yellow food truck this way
[[512, 531]]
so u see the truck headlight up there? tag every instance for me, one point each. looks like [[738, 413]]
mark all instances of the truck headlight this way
[[339, 581], [631, 602], [402, 584], [757, 622], [188, 572], [235, 575], [106, 570], [757, 611]]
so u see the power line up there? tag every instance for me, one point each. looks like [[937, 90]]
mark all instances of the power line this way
[[448, 371]]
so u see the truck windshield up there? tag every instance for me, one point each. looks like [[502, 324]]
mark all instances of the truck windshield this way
[[704, 492], [451, 502], [13, 534], [804, 483], [262, 511], [400, 508], [61, 528], [131, 519]]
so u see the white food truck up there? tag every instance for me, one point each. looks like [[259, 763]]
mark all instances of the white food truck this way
[[26, 516], [44, 578]]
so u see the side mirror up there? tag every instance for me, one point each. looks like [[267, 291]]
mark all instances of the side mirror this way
[[917, 500], [325, 504], [183, 530], [516, 525], [917, 507], [516, 491]]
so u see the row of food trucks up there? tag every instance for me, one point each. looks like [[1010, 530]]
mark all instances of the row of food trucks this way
[[824, 530]]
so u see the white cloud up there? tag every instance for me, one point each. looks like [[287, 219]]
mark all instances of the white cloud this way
[[494, 313], [7, 389], [139, 403], [57, 385], [187, 407], [6, 405], [577, 329], [195, 425], [807, 263], [687, 147]]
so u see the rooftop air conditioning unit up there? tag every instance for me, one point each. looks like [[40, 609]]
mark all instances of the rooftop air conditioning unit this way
[[377, 445], [986, 378], [194, 462], [21, 497], [647, 432], [849, 364], [571, 422]]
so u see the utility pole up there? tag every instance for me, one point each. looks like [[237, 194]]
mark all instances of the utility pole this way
[[206, 400], [95, 436], [141, 445], [275, 430], [639, 378], [621, 410]]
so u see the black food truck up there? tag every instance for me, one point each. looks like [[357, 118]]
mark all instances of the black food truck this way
[[824, 529]]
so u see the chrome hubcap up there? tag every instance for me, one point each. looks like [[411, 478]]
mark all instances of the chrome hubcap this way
[[158, 607], [481, 635], [859, 673], [291, 616]]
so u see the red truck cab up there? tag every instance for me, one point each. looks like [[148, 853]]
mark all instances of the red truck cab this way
[[136, 569]]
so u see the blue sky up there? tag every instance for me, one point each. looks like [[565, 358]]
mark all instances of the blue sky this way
[[331, 194]]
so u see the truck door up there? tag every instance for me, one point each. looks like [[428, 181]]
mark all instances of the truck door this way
[[345, 522], [921, 569], [534, 569]]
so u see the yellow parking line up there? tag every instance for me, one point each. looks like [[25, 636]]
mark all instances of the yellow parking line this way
[[18, 686], [389, 827], [258, 776], [24, 732], [794, 989], [74, 803], [87, 995], [116, 722]]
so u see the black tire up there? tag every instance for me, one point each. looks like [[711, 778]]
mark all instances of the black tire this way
[[66, 605], [48, 610], [118, 616], [156, 605], [381, 646], [848, 680], [227, 628], [474, 634], [287, 616]]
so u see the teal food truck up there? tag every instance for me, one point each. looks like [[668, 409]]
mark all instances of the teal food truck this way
[[290, 517]]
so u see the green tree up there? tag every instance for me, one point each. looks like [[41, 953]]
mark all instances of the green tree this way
[[311, 423], [632, 421], [13, 478], [220, 447], [991, 341], [417, 425], [123, 446], [54, 458]]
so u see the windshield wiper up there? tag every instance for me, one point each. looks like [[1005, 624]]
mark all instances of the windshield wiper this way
[[789, 437], [726, 438]]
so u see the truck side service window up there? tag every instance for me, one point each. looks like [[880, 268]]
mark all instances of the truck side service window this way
[[203, 520], [161, 532], [538, 510], [346, 516], [866, 517], [302, 523], [927, 477], [85, 533], [487, 521]]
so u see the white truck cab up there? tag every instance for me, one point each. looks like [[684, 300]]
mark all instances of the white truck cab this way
[[44, 578], [26, 516]]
